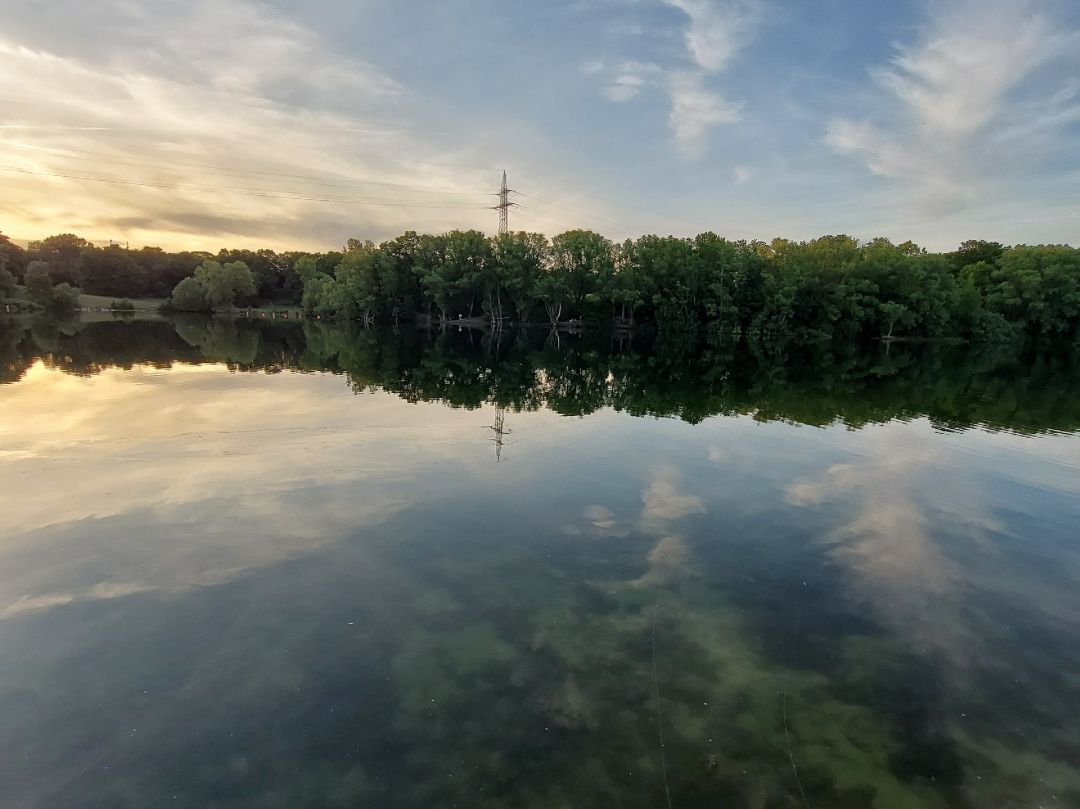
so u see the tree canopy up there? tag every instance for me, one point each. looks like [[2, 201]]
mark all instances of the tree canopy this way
[[833, 287], [214, 287]]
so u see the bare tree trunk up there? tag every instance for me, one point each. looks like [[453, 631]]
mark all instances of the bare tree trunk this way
[[554, 311]]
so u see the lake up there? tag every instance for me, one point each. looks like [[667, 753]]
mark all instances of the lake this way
[[279, 564]]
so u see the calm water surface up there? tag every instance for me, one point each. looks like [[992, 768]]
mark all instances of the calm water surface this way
[[245, 565]]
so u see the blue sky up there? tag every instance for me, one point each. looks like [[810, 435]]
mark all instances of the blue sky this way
[[286, 124]]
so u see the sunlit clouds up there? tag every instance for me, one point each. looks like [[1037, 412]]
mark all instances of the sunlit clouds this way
[[239, 123]]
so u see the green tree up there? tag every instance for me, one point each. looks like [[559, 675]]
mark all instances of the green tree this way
[[580, 259], [112, 271], [189, 296], [520, 259], [62, 252], [223, 284], [894, 314], [7, 283], [64, 301], [357, 293], [12, 257], [38, 281]]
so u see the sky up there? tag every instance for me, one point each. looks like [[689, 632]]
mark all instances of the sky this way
[[297, 125]]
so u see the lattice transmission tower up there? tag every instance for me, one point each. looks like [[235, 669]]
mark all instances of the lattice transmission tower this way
[[504, 207]]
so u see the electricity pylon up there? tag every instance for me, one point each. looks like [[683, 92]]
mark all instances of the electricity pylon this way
[[504, 207], [500, 431]]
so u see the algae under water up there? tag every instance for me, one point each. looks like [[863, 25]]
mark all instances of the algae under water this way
[[254, 564]]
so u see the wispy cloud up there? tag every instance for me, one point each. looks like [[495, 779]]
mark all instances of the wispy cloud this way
[[694, 109], [625, 80], [150, 139], [714, 33], [951, 99], [717, 29]]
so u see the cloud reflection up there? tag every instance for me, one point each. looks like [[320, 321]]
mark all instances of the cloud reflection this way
[[141, 480], [901, 517]]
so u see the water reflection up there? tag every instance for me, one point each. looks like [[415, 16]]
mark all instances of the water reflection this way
[[227, 579], [1020, 388]]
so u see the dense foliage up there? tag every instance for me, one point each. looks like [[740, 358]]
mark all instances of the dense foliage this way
[[116, 271], [831, 287], [59, 299], [215, 287]]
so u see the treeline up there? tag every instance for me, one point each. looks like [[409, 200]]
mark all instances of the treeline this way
[[148, 272], [832, 287], [1020, 387]]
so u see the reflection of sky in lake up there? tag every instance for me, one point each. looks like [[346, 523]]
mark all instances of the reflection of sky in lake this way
[[262, 589]]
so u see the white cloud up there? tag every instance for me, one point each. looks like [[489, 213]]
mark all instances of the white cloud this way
[[952, 97], [715, 33], [694, 109], [171, 123], [624, 87], [663, 503], [717, 29]]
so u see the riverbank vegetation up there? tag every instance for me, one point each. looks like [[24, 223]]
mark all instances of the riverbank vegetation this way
[[834, 287]]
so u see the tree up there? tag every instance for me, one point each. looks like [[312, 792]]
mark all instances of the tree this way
[[7, 283], [975, 250], [164, 270], [520, 259], [12, 257], [306, 267], [60, 300], [434, 273], [112, 271], [62, 252], [580, 258], [38, 281], [829, 288], [894, 314], [551, 289], [64, 301], [224, 283], [357, 290], [189, 296]]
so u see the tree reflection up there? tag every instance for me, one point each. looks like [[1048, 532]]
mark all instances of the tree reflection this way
[[1022, 388]]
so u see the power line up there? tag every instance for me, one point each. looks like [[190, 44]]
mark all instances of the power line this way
[[247, 192]]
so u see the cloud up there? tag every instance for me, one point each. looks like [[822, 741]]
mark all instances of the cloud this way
[[717, 29], [891, 523], [600, 516], [716, 32], [694, 109], [208, 485], [274, 139], [974, 74], [624, 87]]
